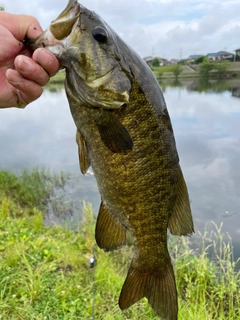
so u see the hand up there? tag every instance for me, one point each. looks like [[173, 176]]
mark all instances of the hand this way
[[22, 73]]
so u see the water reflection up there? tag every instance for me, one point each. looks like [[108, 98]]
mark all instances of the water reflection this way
[[205, 117], [204, 85], [206, 123]]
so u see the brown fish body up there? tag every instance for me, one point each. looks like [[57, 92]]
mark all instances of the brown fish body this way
[[125, 134], [139, 188]]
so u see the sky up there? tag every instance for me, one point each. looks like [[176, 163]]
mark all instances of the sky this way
[[163, 28]]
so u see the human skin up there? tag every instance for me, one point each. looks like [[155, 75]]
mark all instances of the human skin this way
[[23, 73]]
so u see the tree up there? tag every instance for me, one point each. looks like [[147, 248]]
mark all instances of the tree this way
[[1, 7], [177, 69], [221, 67], [205, 69], [201, 60], [155, 62]]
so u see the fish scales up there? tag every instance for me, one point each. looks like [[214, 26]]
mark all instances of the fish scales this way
[[133, 166], [142, 207], [124, 132]]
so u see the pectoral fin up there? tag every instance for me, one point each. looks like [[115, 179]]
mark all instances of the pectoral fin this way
[[181, 222], [113, 133], [110, 233], [84, 161]]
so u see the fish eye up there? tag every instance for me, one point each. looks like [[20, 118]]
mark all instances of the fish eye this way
[[100, 34]]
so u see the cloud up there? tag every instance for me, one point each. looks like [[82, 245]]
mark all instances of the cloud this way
[[165, 27]]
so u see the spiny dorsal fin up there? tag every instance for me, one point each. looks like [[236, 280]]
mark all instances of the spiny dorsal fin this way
[[84, 161], [158, 287], [180, 222], [110, 233], [113, 133]]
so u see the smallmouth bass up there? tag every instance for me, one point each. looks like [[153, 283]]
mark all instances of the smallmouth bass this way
[[124, 132]]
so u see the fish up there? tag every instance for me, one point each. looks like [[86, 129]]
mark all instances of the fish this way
[[125, 134]]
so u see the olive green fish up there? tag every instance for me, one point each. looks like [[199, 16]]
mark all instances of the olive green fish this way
[[124, 132]]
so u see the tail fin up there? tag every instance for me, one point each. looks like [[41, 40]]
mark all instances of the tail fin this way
[[158, 287]]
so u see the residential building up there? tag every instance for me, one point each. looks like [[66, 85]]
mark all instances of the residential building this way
[[221, 55]]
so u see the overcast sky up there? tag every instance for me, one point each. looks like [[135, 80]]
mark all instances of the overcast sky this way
[[163, 28]]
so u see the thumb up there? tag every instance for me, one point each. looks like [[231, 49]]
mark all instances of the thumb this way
[[20, 25]]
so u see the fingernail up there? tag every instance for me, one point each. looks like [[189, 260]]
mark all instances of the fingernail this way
[[45, 55], [24, 63]]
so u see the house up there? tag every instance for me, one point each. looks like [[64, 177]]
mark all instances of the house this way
[[221, 55], [163, 62], [237, 52], [148, 60], [174, 61], [237, 55]]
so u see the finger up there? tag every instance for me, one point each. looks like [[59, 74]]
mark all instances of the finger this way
[[30, 70], [30, 26], [47, 60], [30, 90]]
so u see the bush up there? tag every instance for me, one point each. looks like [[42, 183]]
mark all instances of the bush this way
[[205, 69], [155, 62], [235, 75], [221, 67], [201, 60], [177, 69]]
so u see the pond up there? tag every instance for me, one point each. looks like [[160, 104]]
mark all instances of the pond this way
[[206, 121]]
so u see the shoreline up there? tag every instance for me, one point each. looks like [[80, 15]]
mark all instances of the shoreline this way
[[59, 78]]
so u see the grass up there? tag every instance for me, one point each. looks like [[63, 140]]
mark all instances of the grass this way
[[45, 271], [56, 82], [32, 189], [218, 70]]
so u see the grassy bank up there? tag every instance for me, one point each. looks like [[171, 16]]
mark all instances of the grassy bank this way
[[45, 273], [212, 70], [165, 72]]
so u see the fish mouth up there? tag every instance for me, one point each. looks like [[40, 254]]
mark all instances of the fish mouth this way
[[62, 26], [59, 28]]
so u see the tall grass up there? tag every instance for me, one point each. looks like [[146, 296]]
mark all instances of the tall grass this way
[[207, 277], [45, 272], [34, 188]]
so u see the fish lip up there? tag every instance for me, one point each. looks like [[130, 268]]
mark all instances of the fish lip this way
[[70, 14], [62, 26], [71, 11]]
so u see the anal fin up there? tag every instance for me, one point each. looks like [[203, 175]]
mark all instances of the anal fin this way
[[84, 161], [157, 286], [180, 222], [110, 233]]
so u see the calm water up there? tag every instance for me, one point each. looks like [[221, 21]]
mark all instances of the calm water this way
[[206, 122]]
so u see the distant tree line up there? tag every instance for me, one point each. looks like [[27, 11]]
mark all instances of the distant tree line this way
[[221, 67]]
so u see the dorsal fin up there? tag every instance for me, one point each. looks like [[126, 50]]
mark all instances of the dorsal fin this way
[[180, 222]]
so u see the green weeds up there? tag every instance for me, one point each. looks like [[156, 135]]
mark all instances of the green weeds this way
[[30, 190], [207, 280], [45, 273]]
